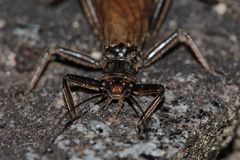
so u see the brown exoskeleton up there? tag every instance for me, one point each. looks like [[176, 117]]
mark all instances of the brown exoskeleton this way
[[122, 25]]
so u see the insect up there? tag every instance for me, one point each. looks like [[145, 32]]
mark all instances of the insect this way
[[123, 26]]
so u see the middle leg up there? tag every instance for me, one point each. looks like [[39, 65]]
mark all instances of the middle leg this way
[[77, 57], [178, 36]]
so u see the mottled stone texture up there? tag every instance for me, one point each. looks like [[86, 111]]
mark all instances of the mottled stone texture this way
[[197, 120]]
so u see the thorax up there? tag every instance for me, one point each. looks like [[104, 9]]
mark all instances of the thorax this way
[[120, 61]]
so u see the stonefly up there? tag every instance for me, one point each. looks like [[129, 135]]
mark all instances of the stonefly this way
[[123, 27]]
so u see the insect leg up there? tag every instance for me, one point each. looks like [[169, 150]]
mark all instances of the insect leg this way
[[158, 15], [106, 104], [149, 89], [120, 107], [132, 99], [90, 13], [178, 36], [76, 57], [81, 81], [131, 104]]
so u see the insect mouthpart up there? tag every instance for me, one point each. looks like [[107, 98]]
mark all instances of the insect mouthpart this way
[[117, 87], [117, 90]]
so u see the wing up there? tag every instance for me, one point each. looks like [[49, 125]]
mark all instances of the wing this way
[[125, 21], [119, 21]]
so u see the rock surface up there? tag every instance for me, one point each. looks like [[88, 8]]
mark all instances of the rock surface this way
[[197, 120]]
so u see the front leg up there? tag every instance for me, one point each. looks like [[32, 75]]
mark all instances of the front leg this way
[[177, 37], [76, 57], [145, 90], [81, 81]]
